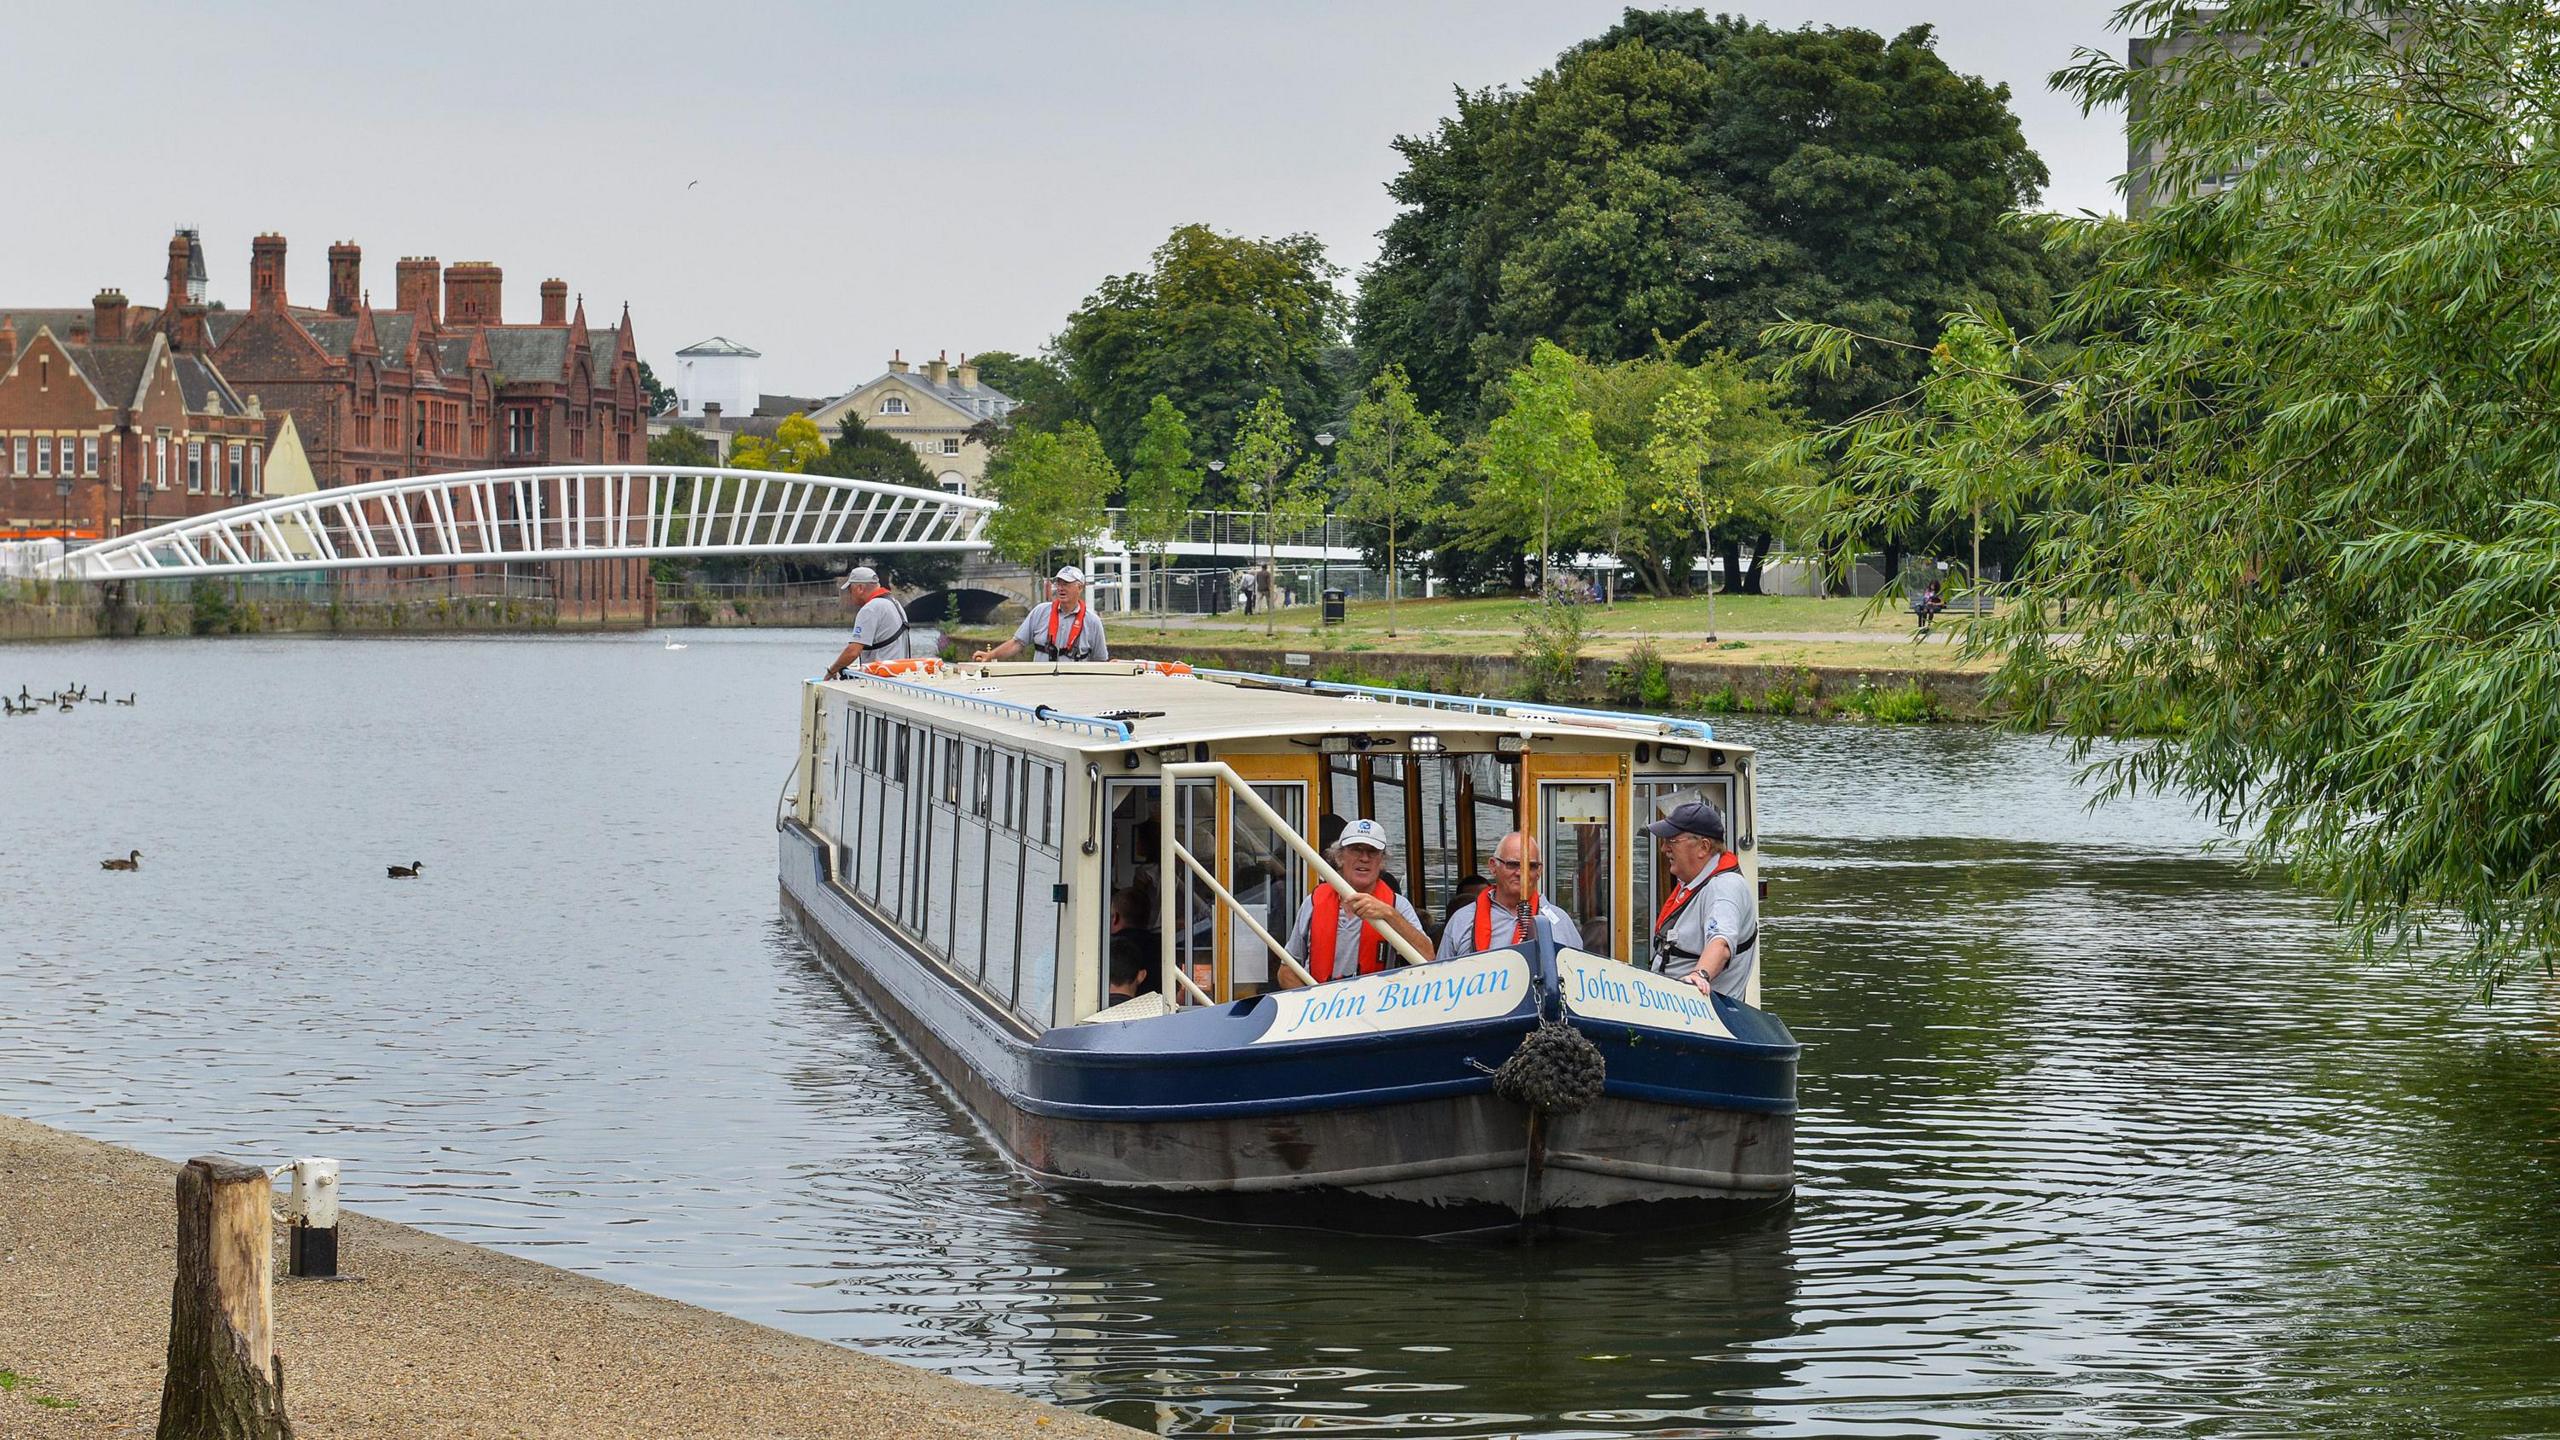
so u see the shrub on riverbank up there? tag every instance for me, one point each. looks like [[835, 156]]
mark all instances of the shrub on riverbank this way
[[1894, 705]]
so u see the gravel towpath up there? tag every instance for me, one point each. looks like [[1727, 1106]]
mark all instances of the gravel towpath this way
[[437, 1339]]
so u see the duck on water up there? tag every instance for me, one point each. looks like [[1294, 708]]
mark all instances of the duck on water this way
[[970, 847]]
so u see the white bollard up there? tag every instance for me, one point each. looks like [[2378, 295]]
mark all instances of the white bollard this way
[[313, 1209]]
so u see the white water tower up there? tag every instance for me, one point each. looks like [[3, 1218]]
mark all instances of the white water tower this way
[[717, 371]]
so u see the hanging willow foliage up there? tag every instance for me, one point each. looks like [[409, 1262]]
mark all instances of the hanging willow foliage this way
[[2293, 490]]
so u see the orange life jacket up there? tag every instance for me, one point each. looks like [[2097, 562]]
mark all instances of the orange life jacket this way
[[1325, 924], [1484, 924], [1055, 651]]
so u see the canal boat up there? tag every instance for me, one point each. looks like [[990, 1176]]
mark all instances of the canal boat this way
[[959, 842]]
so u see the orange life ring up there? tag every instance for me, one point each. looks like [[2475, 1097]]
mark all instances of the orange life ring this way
[[922, 665], [1163, 667]]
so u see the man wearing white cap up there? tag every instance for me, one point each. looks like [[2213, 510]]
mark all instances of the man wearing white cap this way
[[1062, 627], [1337, 938], [879, 622]]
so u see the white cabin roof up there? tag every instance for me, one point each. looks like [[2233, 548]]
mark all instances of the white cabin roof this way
[[1220, 707]]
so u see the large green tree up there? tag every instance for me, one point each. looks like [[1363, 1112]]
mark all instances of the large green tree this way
[[1393, 463], [1546, 484], [1701, 177], [1163, 483], [1043, 399], [1050, 489], [1213, 324], [1267, 479], [2296, 494]]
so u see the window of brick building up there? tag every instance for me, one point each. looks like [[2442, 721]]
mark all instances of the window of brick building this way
[[160, 458], [89, 455], [621, 447], [257, 470], [951, 446], [18, 455], [364, 430], [577, 442], [520, 431], [44, 454], [195, 467], [239, 480], [894, 405]]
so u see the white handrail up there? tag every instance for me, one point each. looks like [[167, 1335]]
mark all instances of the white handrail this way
[[1168, 781]]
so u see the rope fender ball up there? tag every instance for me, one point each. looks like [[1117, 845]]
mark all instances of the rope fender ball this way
[[1556, 1070]]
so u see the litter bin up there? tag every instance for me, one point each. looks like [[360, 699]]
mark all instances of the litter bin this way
[[1333, 606]]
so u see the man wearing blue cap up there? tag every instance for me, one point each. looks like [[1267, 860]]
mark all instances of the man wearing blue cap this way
[[1337, 938], [1708, 931]]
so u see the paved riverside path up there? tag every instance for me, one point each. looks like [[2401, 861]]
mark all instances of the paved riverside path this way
[[438, 1339]]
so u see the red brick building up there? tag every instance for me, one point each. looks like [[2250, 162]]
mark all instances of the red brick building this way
[[100, 402], [439, 383]]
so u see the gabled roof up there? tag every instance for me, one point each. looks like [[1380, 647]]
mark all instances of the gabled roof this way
[[984, 402], [200, 385], [721, 345]]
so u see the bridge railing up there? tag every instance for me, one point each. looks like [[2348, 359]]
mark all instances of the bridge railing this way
[[546, 513]]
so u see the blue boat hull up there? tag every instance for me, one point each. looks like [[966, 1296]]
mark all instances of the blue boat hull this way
[[1365, 1104]]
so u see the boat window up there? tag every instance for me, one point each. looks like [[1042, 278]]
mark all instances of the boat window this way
[[879, 756], [969, 953], [950, 770], [1004, 909], [983, 783], [897, 823], [1445, 814], [1043, 920], [941, 863], [1578, 837], [1133, 869], [1267, 877], [1008, 802]]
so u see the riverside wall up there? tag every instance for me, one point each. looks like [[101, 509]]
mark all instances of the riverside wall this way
[[433, 1338], [1688, 686]]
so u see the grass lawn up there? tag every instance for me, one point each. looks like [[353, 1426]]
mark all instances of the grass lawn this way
[[1749, 630]]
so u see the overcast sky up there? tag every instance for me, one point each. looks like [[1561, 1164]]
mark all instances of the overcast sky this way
[[825, 181]]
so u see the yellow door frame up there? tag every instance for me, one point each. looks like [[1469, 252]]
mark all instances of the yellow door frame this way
[[1536, 770], [1304, 770]]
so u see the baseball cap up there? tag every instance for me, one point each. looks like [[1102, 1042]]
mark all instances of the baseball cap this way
[[1695, 818], [1364, 832], [859, 575], [1070, 574]]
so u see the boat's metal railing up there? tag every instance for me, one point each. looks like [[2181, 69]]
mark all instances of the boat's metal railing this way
[[1663, 725], [1036, 714], [1175, 978]]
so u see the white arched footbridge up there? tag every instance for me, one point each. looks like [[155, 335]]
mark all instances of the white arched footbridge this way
[[551, 513]]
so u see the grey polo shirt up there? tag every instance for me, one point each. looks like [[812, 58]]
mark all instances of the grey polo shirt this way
[[1034, 633], [881, 615], [1460, 938], [1730, 910], [1346, 938]]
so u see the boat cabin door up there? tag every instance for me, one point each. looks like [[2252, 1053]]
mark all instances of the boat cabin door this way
[[1577, 806]]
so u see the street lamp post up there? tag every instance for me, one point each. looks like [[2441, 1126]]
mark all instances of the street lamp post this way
[[1324, 537], [1217, 468], [146, 489], [62, 492]]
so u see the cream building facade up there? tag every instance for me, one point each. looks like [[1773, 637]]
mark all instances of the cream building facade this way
[[931, 407]]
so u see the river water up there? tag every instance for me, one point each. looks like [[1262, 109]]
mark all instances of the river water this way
[[2100, 1135]]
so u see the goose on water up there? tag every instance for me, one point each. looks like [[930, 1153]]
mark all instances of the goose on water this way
[[130, 862]]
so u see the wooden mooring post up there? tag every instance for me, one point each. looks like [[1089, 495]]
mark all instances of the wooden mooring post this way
[[224, 1382]]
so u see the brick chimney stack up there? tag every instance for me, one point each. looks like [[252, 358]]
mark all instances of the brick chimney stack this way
[[416, 293], [107, 316], [266, 272], [471, 293], [555, 302], [181, 256], [346, 277]]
